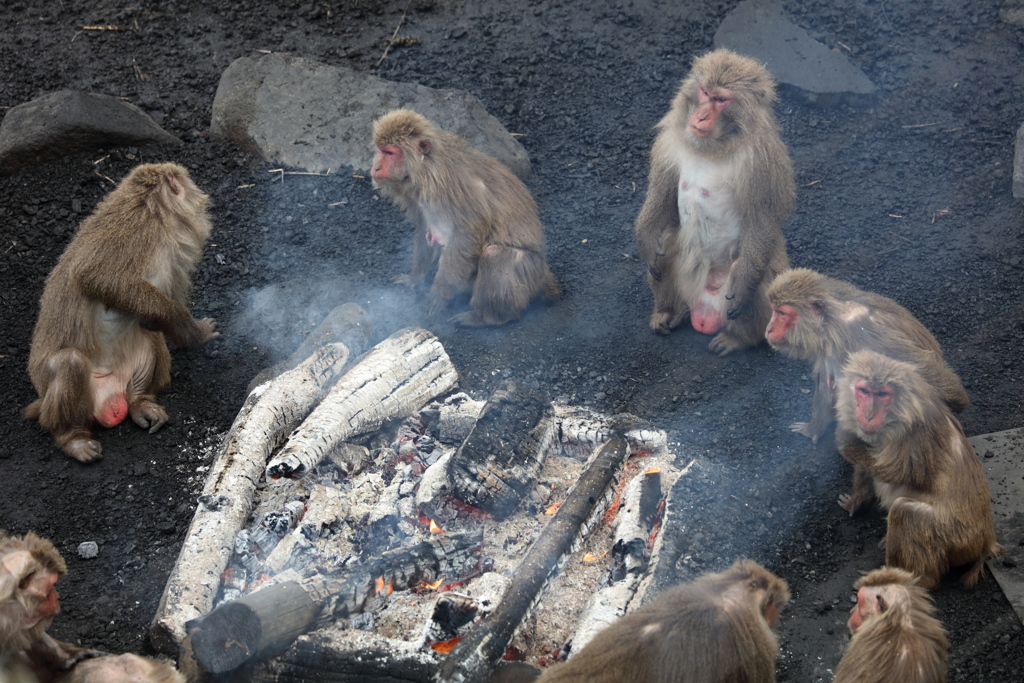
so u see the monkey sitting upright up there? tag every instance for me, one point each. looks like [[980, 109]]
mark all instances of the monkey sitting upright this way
[[98, 350], [474, 219], [719, 188], [901, 437], [716, 629], [896, 637]]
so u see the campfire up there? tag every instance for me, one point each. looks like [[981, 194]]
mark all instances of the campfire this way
[[367, 518]]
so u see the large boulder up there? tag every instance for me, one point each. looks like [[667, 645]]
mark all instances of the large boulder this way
[[800, 64], [70, 121], [304, 114]]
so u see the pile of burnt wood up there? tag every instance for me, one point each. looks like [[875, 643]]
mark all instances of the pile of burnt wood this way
[[364, 521]]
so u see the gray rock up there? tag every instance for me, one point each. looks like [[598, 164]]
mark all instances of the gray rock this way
[[1012, 12], [1018, 165], [800, 64], [71, 121], [303, 114]]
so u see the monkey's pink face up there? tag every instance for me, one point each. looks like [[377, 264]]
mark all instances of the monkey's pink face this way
[[388, 164], [784, 319], [872, 405], [868, 605], [709, 105], [35, 586]]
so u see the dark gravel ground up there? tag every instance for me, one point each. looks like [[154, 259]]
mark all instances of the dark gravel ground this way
[[921, 213]]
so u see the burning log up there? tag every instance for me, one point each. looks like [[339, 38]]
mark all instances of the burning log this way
[[636, 524], [503, 454], [269, 413], [473, 658], [267, 621], [393, 380]]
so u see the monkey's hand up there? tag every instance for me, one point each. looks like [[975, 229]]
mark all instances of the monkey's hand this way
[[193, 332], [438, 303], [851, 502], [806, 429], [651, 252], [53, 655], [408, 279]]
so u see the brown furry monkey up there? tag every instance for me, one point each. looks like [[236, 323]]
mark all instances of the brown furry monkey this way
[[474, 220], [126, 668], [719, 188], [823, 320], [98, 350], [29, 568], [896, 637], [896, 431], [716, 629]]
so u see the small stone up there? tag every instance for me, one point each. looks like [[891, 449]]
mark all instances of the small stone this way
[[88, 550]]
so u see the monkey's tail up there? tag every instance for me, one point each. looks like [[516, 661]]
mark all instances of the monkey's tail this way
[[33, 410], [551, 289]]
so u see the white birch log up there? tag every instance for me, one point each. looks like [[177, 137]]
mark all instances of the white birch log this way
[[269, 414], [393, 380]]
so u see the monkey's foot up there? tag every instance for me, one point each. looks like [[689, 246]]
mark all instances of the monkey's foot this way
[[664, 322], [408, 279], [471, 319], [84, 449], [148, 415], [805, 429]]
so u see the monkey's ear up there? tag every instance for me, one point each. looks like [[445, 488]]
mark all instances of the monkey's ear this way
[[425, 146], [882, 604], [819, 308], [173, 182]]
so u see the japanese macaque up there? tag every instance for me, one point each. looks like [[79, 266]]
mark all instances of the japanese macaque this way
[[474, 220], [897, 432], [896, 638], [29, 568], [126, 668], [716, 629], [719, 188], [820, 319], [98, 350]]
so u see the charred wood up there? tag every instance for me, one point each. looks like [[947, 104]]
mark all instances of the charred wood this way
[[269, 620], [393, 380], [270, 412], [580, 430], [473, 658], [505, 451]]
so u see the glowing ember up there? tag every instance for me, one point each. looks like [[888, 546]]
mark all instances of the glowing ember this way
[[553, 509], [434, 528], [446, 646]]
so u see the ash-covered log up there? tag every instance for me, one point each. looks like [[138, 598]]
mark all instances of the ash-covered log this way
[[503, 454], [269, 414], [393, 380], [474, 657], [636, 523], [269, 620]]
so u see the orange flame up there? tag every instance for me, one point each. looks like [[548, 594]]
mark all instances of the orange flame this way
[[434, 528], [591, 557], [446, 646], [430, 585], [378, 584], [653, 470], [553, 508]]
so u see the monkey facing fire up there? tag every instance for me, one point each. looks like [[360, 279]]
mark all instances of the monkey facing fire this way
[[897, 433], [474, 220], [715, 629], [720, 186], [98, 351], [823, 320], [896, 637]]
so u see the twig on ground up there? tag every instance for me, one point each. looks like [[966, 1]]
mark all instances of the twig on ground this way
[[392, 40]]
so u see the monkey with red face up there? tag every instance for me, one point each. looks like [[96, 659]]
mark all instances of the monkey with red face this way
[[896, 637], [719, 188], [901, 437], [475, 221]]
